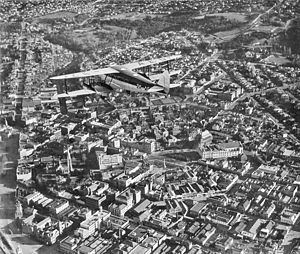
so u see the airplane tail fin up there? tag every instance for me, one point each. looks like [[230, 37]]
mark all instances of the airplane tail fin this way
[[164, 81]]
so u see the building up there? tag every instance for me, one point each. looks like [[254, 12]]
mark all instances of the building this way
[[224, 243], [92, 223], [58, 206], [66, 129], [222, 150], [86, 250], [206, 138], [124, 180], [125, 201], [228, 93], [116, 222], [106, 127], [129, 197], [68, 245], [106, 161], [32, 197], [142, 211], [269, 210], [138, 234], [154, 240], [265, 169], [220, 218], [196, 210], [251, 229], [267, 229], [146, 145], [289, 216], [23, 173], [94, 202]]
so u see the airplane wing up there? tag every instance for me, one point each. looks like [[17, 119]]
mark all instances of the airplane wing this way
[[155, 89], [136, 65], [75, 93], [84, 74], [157, 76]]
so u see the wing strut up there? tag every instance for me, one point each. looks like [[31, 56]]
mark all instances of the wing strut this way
[[66, 87]]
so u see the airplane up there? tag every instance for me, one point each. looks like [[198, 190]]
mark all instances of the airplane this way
[[122, 77]]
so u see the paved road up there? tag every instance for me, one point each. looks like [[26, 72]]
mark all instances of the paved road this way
[[164, 152], [8, 157]]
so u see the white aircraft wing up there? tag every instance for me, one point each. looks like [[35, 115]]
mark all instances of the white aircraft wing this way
[[75, 93], [136, 65], [157, 76], [85, 74], [155, 89]]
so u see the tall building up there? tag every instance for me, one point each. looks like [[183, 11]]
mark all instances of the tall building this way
[[19, 211], [206, 138]]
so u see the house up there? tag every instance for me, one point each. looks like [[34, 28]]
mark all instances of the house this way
[[68, 245], [289, 216], [251, 229], [267, 229], [57, 206], [196, 210]]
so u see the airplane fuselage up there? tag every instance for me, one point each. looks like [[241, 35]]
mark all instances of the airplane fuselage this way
[[137, 85], [131, 74]]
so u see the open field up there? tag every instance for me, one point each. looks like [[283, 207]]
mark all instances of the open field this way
[[268, 29], [227, 35], [233, 16], [57, 15], [89, 40], [277, 60], [133, 16]]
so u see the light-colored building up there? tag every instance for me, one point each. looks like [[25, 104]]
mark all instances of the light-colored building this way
[[146, 145], [68, 245], [222, 150], [251, 230], [206, 138], [23, 174], [58, 206], [105, 161], [91, 224], [289, 216]]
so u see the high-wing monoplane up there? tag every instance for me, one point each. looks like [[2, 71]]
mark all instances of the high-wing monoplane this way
[[129, 77]]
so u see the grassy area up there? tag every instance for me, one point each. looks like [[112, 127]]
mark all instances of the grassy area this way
[[228, 35], [57, 15], [134, 16], [10, 27], [233, 16], [280, 60], [89, 39], [267, 29]]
